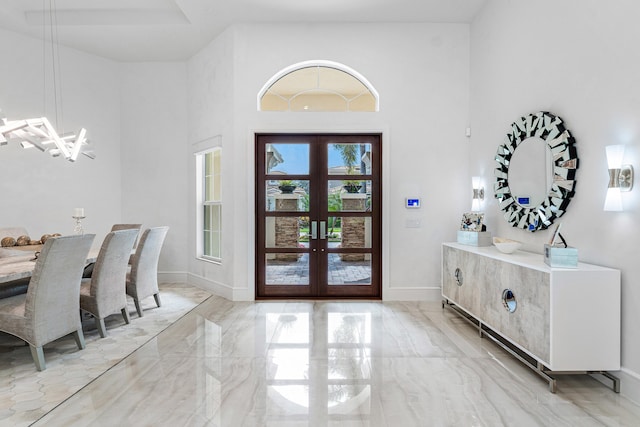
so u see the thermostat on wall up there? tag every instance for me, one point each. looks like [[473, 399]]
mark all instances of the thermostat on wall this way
[[411, 203]]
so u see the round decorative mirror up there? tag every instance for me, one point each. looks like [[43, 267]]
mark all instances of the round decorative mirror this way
[[535, 172], [531, 172]]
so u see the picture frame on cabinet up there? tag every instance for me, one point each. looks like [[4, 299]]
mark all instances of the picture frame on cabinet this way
[[472, 221]]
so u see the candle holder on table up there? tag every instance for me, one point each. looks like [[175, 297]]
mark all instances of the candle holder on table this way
[[78, 227]]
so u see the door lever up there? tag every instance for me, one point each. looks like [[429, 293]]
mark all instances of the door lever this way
[[323, 230], [314, 230]]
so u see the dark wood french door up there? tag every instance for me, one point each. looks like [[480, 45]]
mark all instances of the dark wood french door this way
[[318, 215]]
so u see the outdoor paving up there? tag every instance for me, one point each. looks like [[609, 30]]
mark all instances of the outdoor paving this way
[[297, 272]]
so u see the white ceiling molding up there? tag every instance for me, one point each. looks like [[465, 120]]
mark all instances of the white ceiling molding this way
[[110, 17], [174, 30]]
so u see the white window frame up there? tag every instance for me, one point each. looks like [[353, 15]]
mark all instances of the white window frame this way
[[319, 64], [201, 203]]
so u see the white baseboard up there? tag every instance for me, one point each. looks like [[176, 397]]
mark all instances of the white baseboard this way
[[220, 289], [216, 288], [412, 294], [629, 384]]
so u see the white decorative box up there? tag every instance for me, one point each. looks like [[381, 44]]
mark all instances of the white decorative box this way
[[474, 238], [555, 256]]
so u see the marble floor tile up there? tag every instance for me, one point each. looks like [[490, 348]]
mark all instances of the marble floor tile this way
[[316, 363], [26, 394]]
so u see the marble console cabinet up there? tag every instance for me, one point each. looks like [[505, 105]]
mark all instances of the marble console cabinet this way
[[566, 320]]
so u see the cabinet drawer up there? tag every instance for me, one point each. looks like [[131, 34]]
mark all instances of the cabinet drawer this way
[[528, 325], [476, 283], [459, 277]]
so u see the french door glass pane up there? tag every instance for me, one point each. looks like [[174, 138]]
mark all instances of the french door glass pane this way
[[287, 232], [349, 159], [292, 196], [340, 197], [287, 159], [349, 269], [287, 269], [349, 232]]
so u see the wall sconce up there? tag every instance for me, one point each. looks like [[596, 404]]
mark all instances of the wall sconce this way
[[620, 178], [478, 193]]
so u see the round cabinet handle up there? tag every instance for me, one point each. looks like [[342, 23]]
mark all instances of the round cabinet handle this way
[[509, 300], [458, 275]]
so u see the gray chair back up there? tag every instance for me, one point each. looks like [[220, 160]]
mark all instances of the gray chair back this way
[[144, 265], [53, 296], [110, 271], [118, 227]]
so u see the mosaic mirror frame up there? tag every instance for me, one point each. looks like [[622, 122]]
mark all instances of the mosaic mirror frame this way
[[551, 129]]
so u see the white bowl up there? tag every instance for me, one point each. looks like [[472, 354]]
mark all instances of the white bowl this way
[[506, 246]]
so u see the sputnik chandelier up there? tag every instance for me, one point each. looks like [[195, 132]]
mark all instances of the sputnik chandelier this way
[[39, 133]]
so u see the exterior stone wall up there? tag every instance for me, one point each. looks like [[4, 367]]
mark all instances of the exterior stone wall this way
[[287, 228], [353, 228]]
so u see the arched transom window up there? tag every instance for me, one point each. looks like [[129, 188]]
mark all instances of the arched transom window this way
[[318, 86]]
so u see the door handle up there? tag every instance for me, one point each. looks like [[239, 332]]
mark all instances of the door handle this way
[[314, 230], [323, 230]]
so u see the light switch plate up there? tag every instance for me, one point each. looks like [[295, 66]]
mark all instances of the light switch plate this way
[[412, 223]]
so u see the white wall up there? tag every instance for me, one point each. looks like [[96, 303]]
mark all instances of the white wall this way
[[577, 59], [153, 113], [422, 74], [210, 110], [135, 116], [40, 192], [574, 58]]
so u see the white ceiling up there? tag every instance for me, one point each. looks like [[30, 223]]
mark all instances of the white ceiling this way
[[167, 30]]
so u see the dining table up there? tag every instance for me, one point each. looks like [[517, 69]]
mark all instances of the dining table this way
[[18, 263]]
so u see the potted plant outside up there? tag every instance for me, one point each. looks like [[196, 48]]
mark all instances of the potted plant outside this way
[[349, 154], [352, 186], [286, 186]]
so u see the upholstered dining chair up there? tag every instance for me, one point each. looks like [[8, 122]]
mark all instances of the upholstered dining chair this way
[[49, 309], [88, 270], [142, 280], [103, 293], [118, 227]]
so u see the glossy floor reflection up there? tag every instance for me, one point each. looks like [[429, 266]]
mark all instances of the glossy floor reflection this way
[[323, 363], [26, 394]]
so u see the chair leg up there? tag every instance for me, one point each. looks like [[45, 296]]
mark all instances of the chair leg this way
[[79, 337], [102, 329], [38, 357], [125, 314], [157, 298], [138, 308]]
